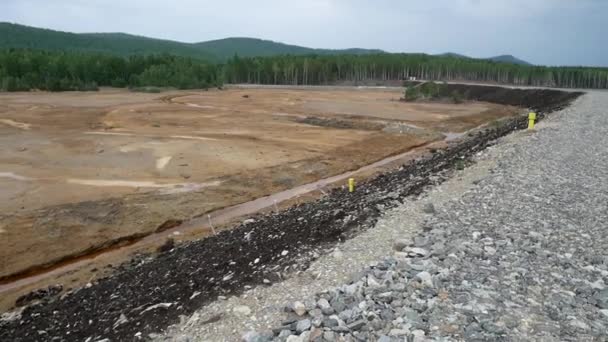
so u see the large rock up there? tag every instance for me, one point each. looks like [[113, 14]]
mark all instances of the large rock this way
[[303, 325], [299, 308], [425, 278]]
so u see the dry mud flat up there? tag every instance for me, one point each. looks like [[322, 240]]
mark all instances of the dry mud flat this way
[[148, 295], [82, 172]]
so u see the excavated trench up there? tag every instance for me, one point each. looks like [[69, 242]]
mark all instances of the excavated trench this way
[[146, 296]]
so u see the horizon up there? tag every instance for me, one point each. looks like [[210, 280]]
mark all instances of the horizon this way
[[576, 41]]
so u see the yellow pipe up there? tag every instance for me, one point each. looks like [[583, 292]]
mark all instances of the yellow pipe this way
[[531, 119], [351, 185]]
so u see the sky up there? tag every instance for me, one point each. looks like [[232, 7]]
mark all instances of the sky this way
[[549, 32]]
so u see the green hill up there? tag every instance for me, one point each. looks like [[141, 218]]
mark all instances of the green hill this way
[[122, 44], [509, 59], [19, 36], [251, 47], [499, 59]]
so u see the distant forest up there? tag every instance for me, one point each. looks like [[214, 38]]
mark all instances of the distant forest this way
[[316, 70], [22, 70], [26, 69]]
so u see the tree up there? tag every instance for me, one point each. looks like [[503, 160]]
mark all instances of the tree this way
[[25, 69]]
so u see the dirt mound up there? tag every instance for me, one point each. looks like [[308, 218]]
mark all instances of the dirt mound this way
[[145, 297], [545, 100]]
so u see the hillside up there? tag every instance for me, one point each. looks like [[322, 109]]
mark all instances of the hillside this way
[[251, 47], [509, 59], [122, 44], [19, 36], [500, 59]]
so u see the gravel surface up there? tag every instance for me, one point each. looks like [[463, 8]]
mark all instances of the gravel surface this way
[[513, 249]]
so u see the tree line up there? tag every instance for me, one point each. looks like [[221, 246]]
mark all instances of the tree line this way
[[25, 69], [318, 70]]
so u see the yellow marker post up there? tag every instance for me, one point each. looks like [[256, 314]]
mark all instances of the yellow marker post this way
[[351, 185], [531, 119]]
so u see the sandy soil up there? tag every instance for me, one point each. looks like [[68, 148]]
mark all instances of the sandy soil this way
[[79, 171]]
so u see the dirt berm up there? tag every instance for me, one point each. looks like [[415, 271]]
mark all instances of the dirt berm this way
[[143, 297]]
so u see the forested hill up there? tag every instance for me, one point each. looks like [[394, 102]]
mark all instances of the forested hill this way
[[509, 59], [122, 44], [501, 58], [251, 47], [118, 44]]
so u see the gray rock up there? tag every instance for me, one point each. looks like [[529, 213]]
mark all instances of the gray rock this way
[[490, 250], [356, 325], [492, 328], [398, 332], [316, 313], [419, 336], [294, 338], [387, 315], [372, 282], [425, 279], [329, 336], [417, 251], [323, 304], [253, 336], [352, 288], [303, 325], [338, 304], [329, 311], [285, 333], [317, 322], [305, 336], [429, 208], [345, 315], [602, 298], [340, 329], [330, 323]]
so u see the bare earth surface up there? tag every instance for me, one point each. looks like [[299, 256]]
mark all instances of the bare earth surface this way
[[512, 249], [82, 171]]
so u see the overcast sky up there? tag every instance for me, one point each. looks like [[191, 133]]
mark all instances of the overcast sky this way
[[554, 32]]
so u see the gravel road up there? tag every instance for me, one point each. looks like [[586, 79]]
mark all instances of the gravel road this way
[[521, 256], [514, 248]]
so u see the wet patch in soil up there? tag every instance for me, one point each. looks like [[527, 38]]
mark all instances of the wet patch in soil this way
[[341, 123], [147, 295]]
